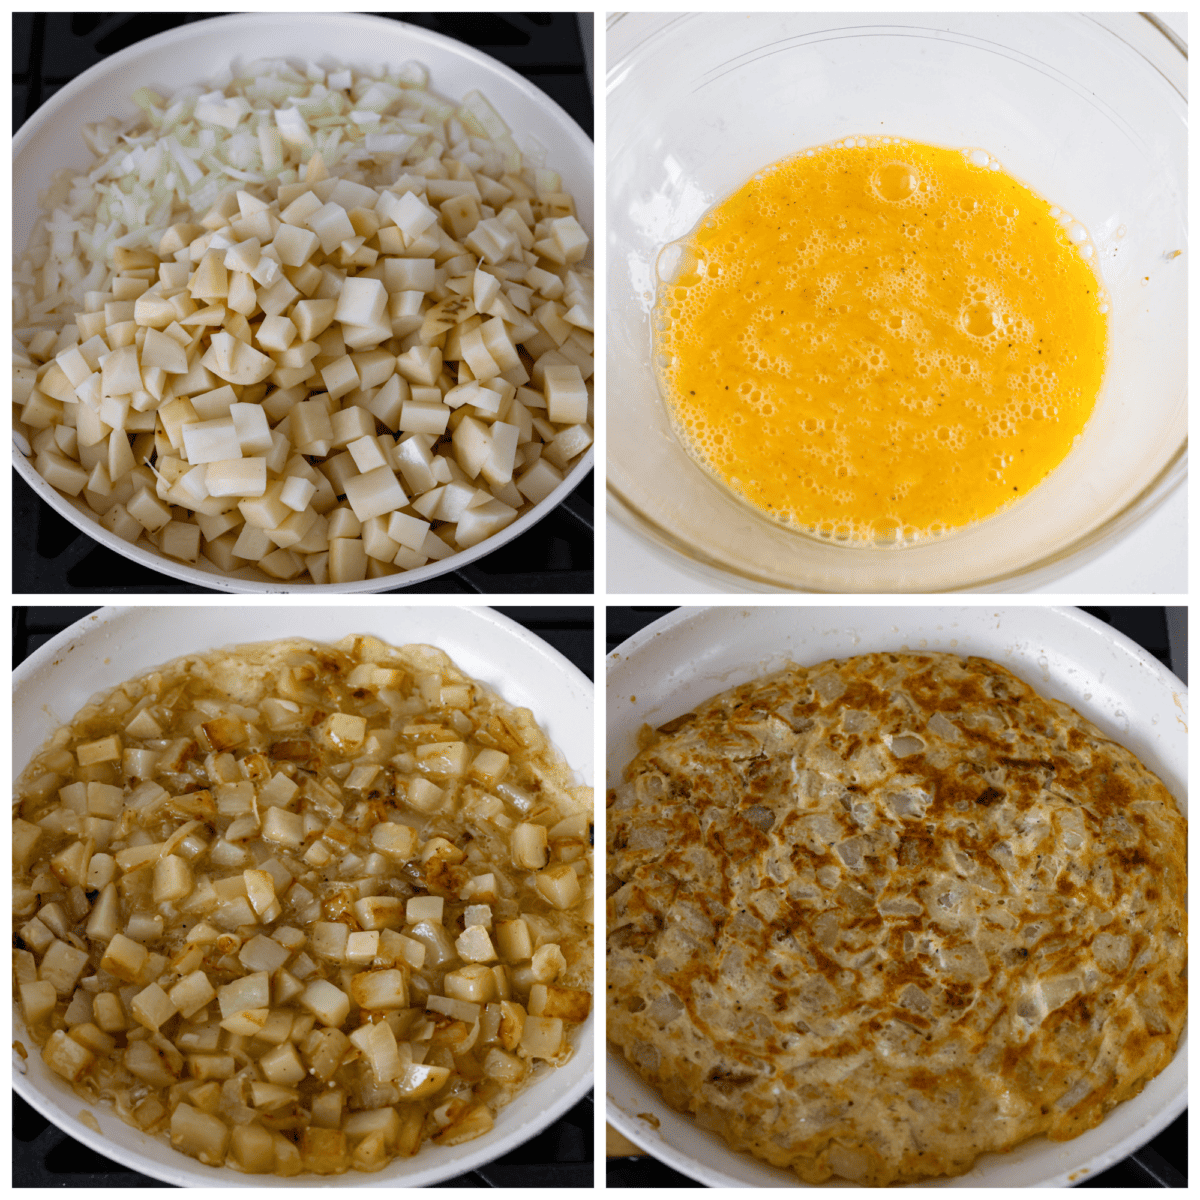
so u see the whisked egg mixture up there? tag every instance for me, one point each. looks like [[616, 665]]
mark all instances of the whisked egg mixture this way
[[882, 341]]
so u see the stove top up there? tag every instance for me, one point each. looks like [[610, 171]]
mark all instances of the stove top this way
[[50, 555]]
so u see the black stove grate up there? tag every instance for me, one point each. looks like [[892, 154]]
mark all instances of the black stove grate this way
[[1160, 1163], [50, 555], [560, 1156]]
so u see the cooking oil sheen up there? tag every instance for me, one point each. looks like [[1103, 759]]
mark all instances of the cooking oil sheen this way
[[880, 341]]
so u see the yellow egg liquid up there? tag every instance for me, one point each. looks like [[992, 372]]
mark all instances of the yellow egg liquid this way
[[881, 341]]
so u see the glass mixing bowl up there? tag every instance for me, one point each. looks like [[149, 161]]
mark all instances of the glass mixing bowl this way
[[1089, 111]]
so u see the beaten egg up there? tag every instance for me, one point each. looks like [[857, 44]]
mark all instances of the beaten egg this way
[[881, 341]]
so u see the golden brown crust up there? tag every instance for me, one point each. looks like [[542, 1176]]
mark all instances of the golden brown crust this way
[[876, 917]]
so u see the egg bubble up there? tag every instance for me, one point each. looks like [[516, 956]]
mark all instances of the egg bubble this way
[[979, 319], [895, 181]]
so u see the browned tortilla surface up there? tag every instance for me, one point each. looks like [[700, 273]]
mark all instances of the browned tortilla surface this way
[[876, 917]]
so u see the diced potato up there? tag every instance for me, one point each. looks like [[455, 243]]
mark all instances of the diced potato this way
[[192, 993], [548, 1000], [344, 731], [489, 766], [109, 1013], [150, 1063], [211, 1066], [262, 953], [25, 838], [173, 879], [152, 1007], [61, 966], [380, 912], [559, 885], [542, 1037], [282, 1066], [283, 827], [251, 991], [329, 1004], [106, 749], [514, 940], [501, 1065], [424, 908], [37, 1001], [398, 842], [252, 1150], [379, 991], [530, 846], [324, 1151], [66, 1057], [474, 945], [199, 1135], [180, 895]]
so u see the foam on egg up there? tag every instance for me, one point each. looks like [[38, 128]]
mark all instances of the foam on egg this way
[[881, 341]]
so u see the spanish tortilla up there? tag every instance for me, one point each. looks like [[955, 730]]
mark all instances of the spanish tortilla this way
[[876, 917]]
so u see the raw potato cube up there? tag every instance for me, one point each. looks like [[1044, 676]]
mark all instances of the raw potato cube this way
[[375, 493], [566, 394], [362, 301], [295, 246]]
